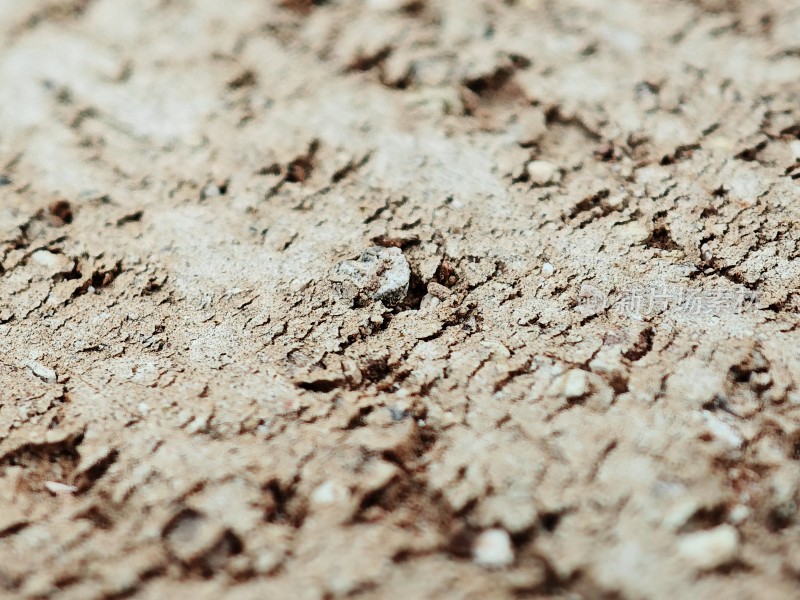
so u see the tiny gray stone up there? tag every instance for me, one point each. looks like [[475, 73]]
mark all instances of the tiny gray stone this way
[[379, 274]]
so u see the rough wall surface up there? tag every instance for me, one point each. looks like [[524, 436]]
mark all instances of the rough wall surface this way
[[388, 299]]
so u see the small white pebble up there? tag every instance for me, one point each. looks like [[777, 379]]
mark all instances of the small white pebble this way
[[329, 492], [739, 513], [144, 408], [44, 373], [211, 191], [541, 172], [575, 384], [266, 561], [712, 548], [548, 269], [493, 549], [59, 489], [46, 259], [429, 302], [794, 146]]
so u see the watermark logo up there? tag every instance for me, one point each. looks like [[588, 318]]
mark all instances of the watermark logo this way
[[640, 301]]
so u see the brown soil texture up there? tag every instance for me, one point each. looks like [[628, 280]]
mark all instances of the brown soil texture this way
[[399, 299]]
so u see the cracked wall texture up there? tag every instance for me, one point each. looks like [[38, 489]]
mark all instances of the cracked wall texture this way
[[191, 407]]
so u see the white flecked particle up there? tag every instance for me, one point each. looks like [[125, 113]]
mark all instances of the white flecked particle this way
[[615, 202], [548, 269], [541, 172], [267, 560], [329, 492], [385, 5], [722, 431], [144, 408], [493, 549], [712, 548], [59, 489]]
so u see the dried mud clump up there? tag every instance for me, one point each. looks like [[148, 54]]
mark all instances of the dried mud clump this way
[[378, 275]]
